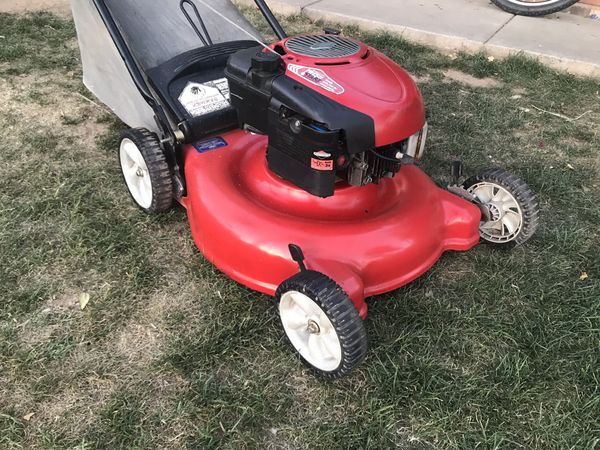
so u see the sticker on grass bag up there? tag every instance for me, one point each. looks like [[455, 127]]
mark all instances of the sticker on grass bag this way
[[317, 77], [199, 99], [210, 144]]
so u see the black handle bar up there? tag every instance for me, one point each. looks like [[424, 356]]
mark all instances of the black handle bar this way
[[271, 19]]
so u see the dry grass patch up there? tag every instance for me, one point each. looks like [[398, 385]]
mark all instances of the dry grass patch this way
[[470, 80]]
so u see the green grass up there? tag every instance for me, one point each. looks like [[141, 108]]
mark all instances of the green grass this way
[[490, 349]]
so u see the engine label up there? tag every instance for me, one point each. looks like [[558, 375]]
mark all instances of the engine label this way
[[317, 77], [203, 98], [322, 165]]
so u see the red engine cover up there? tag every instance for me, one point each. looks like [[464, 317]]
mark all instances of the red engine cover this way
[[367, 81]]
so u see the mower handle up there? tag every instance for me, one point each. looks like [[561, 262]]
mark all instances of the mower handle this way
[[271, 19]]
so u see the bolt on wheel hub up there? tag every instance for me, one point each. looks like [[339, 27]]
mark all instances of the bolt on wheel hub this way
[[313, 327]]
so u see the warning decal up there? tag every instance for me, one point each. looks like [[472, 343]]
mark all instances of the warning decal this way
[[317, 77], [203, 98]]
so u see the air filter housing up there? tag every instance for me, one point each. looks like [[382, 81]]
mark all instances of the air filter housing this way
[[323, 46]]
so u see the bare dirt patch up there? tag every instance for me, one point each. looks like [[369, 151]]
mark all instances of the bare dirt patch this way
[[65, 302], [35, 99], [43, 97], [60, 7], [470, 80], [421, 79], [32, 335], [520, 91], [37, 329], [140, 341]]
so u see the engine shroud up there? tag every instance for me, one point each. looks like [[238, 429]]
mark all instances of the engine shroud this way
[[333, 109]]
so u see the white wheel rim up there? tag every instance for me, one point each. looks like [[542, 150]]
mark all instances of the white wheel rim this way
[[135, 171], [534, 2], [506, 220], [310, 331]]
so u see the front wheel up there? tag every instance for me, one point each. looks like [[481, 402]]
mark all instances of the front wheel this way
[[511, 207], [533, 7], [322, 324]]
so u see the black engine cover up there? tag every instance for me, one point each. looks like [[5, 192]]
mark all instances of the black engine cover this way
[[310, 135]]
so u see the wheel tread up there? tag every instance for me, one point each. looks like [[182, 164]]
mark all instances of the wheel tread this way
[[338, 306], [158, 168]]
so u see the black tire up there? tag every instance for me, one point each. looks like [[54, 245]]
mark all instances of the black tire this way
[[340, 311], [528, 207], [534, 9], [159, 173]]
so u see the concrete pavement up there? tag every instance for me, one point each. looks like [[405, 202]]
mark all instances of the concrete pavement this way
[[60, 7], [564, 41]]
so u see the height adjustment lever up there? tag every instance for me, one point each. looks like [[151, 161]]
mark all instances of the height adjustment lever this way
[[297, 256]]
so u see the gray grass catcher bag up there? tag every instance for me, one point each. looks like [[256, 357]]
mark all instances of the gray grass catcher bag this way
[[155, 31]]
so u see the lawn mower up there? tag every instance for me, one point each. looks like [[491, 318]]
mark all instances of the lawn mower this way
[[295, 161]]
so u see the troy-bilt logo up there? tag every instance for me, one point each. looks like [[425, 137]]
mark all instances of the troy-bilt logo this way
[[317, 77]]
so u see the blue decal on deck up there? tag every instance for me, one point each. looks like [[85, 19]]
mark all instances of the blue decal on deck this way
[[210, 144]]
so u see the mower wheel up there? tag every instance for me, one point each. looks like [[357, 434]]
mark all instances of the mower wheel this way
[[146, 171], [322, 324], [512, 206], [533, 8]]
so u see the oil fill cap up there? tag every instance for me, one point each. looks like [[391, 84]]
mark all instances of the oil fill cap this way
[[266, 62]]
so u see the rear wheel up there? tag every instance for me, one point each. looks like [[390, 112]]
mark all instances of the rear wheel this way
[[511, 206], [322, 324], [146, 171], [533, 7]]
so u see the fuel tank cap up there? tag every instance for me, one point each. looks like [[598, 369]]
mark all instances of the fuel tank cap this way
[[266, 62]]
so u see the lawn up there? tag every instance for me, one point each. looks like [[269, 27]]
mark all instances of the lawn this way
[[490, 349]]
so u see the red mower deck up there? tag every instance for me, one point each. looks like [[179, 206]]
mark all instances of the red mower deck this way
[[370, 240]]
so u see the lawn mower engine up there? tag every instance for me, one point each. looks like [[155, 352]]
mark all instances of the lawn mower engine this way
[[334, 110]]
